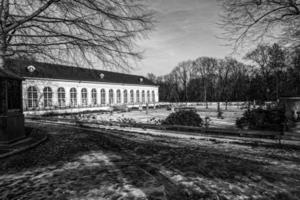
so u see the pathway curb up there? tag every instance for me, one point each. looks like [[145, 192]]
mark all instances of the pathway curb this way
[[22, 149]]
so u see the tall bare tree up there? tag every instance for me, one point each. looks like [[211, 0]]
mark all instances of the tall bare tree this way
[[204, 67], [183, 72], [256, 20], [71, 30]]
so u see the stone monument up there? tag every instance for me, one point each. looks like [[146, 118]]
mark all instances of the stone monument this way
[[11, 111], [292, 107]]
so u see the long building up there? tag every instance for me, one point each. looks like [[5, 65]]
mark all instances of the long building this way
[[59, 87]]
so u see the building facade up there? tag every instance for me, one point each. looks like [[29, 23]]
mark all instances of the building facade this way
[[58, 87]]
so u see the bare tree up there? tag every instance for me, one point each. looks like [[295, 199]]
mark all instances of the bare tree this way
[[277, 65], [260, 56], [271, 61], [183, 72], [152, 77], [257, 20], [68, 31], [204, 67]]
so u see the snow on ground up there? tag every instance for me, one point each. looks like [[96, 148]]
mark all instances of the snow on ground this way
[[159, 114], [83, 164]]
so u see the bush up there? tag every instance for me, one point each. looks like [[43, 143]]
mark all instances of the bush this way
[[262, 119], [184, 117], [128, 121], [155, 121]]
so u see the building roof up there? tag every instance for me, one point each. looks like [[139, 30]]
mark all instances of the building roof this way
[[33, 69], [6, 74]]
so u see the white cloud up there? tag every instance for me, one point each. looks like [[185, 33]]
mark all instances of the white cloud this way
[[185, 30]]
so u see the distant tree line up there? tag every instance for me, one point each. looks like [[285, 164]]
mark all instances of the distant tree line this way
[[275, 72]]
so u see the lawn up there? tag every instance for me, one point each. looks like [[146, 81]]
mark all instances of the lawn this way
[[82, 164], [228, 120]]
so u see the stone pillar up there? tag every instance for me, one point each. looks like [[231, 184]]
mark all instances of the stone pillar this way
[[11, 113], [3, 95], [67, 96], [115, 96], [106, 96], [79, 103], [122, 96], [54, 97], [98, 96]]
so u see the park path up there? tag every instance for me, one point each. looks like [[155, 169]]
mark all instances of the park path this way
[[95, 175], [177, 134], [129, 165]]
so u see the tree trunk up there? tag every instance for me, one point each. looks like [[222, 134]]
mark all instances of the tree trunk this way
[[1, 60], [3, 34], [205, 97], [186, 95]]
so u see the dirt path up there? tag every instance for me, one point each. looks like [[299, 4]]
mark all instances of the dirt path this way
[[79, 163]]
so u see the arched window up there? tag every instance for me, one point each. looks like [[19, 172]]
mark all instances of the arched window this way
[[102, 96], [131, 96], [111, 96], [47, 97], [148, 96], [61, 97], [138, 96], [84, 97], [32, 97], [94, 97], [73, 97], [118, 96], [143, 96], [125, 96], [153, 97]]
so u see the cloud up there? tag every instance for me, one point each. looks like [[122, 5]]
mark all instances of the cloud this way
[[185, 30]]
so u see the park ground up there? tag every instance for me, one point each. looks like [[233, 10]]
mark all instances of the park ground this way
[[153, 115], [81, 163]]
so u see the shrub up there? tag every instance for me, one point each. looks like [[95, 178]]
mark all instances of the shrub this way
[[207, 121], [220, 114], [262, 119], [128, 121], [155, 121], [184, 117]]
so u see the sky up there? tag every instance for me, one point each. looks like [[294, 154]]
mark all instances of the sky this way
[[184, 30]]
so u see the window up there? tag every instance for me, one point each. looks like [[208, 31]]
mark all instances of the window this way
[[32, 97], [94, 97], [125, 95], [131, 96], [138, 96], [148, 96], [118, 96], [143, 96], [153, 97], [47, 97], [31, 68], [102, 96], [61, 97], [84, 97], [73, 97], [13, 94], [111, 96]]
